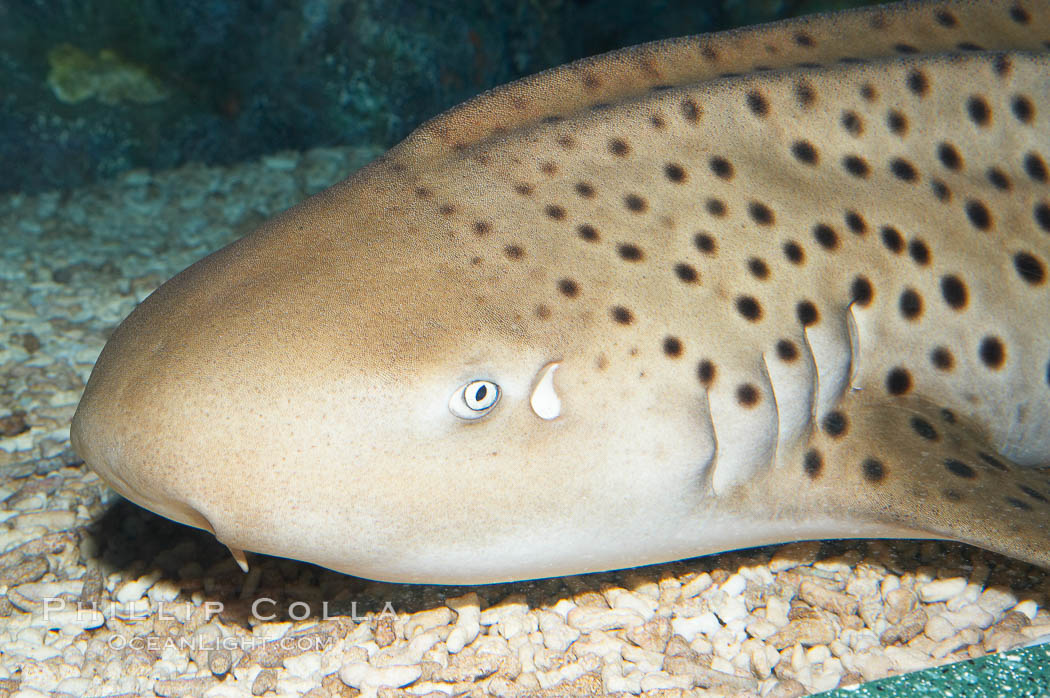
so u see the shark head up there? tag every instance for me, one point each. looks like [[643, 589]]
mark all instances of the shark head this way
[[376, 399]]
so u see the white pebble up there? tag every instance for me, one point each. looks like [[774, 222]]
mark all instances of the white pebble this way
[[697, 585], [360, 674], [557, 635], [1028, 607], [996, 600], [587, 618], [942, 589], [468, 619], [689, 627], [735, 585], [135, 589]]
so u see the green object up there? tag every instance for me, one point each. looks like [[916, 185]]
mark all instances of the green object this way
[[1019, 673]]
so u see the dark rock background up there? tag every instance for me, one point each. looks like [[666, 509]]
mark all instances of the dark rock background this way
[[247, 77]]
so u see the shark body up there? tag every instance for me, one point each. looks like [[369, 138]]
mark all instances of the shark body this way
[[776, 284]]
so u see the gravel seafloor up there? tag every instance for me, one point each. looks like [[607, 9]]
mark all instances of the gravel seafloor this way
[[100, 598]]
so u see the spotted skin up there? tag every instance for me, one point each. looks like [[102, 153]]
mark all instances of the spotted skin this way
[[795, 278]]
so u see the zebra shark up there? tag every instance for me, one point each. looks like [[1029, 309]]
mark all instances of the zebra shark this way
[[773, 284]]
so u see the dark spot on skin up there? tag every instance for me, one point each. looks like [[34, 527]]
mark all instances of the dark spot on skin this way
[[566, 142], [619, 147], [588, 232], [868, 92], [673, 347], [721, 167], [747, 395], [954, 291], [945, 18], [555, 212], [622, 315], [657, 121], [674, 172], [992, 352], [749, 308], [835, 424], [861, 291], [803, 39], [812, 463], [804, 94], [979, 215], [716, 207], [1020, 15], [786, 350], [969, 46], [826, 236], [1035, 168], [482, 228], [919, 252], [949, 156], [1017, 503], [760, 213], [804, 152], [523, 189], [873, 470], [992, 461], [947, 415], [793, 252], [629, 252], [856, 166], [940, 190], [1041, 213], [951, 495], [1023, 109], [690, 110], [549, 168], [898, 381], [855, 222], [757, 103], [923, 428], [569, 288], [942, 359], [807, 313], [959, 469], [543, 312], [979, 111], [1034, 494], [447, 209], [892, 239], [585, 190], [514, 251], [758, 268], [705, 243], [897, 122], [905, 48], [635, 203], [903, 170], [423, 193], [1029, 268], [686, 273], [705, 371], [917, 83], [910, 304], [851, 121], [998, 179]]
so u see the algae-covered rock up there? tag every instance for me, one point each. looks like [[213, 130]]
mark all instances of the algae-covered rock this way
[[76, 76]]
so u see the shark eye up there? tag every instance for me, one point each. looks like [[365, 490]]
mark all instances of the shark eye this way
[[474, 400]]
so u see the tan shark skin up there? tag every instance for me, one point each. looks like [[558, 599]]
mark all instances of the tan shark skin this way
[[805, 300]]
